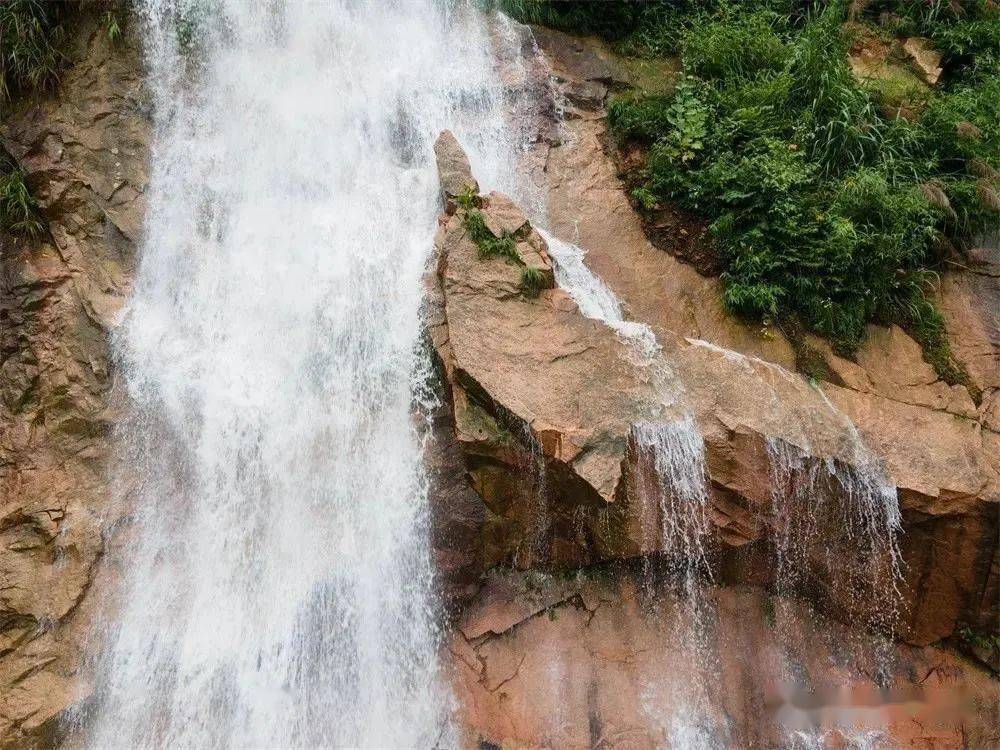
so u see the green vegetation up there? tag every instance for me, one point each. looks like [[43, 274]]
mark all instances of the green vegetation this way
[[532, 281], [111, 25], [612, 20], [504, 246], [832, 200], [983, 641], [30, 38], [489, 246], [18, 209]]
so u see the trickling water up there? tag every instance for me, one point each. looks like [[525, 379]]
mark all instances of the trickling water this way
[[838, 523], [588, 290], [846, 739], [596, 300], [672, 491], [278, 586], [671, 495], [676, 454], [843, 517]]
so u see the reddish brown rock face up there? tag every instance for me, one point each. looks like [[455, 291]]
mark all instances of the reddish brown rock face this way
[[603, 661], [84, 152], [551, 463], [940, 447]]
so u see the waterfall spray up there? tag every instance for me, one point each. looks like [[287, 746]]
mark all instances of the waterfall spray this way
[[278, 586]]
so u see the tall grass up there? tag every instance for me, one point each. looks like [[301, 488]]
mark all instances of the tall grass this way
[[18, 208], [30, 39]]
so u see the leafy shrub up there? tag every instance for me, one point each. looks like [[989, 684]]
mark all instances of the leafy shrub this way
[[644, 28], [111, 25], [641, 118], [612, 20], [823, 206]]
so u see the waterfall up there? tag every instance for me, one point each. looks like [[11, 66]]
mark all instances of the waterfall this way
[[596, 300], [276, 589], [838, 522], [674, 505], [679, 495]]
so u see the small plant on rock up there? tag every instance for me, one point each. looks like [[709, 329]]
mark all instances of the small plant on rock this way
[[111, 25], [489, 245], [469, 199], [532, 281], [18, 208]]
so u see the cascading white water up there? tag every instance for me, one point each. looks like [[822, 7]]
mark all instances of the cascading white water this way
[[673, 505], [671, 493], [846, 515], [839, 523], [676, 454], [596, 300], [278, 586]]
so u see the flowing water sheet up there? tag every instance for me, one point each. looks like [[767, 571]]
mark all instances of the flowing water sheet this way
[[276, 590]]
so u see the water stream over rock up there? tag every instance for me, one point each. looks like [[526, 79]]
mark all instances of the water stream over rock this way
[[278, 582], [271, 358]]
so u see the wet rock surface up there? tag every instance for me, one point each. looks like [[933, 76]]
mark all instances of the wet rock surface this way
[[599, 660], [939, 446], [84, 152], [544, 400]]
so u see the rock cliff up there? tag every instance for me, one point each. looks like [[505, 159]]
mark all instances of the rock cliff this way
[[593, 661], [534, 452], [543, 403], [85, 152]]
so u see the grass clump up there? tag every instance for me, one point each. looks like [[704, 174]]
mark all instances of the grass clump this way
[[823, 205], [31, 35], [18, 208], [532, 281], [504, 246], [742, 45], [489, 245], [112, 25], [975, 639]]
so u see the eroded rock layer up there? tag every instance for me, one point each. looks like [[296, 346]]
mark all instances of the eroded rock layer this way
[[593, 661]]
